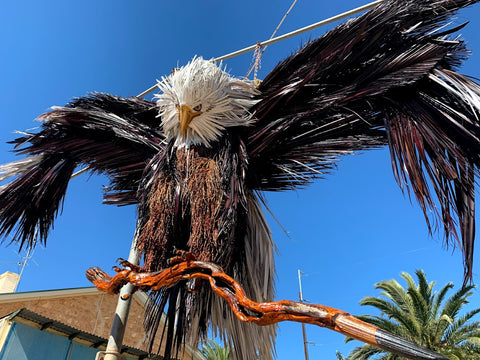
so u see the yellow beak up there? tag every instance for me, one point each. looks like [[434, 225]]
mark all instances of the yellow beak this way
[[185, 116]]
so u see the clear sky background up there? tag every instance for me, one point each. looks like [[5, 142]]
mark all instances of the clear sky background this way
[[346, 232]]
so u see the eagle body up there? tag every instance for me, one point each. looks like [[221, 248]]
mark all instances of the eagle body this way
[[184, 206], [196, 158], [196, 200]]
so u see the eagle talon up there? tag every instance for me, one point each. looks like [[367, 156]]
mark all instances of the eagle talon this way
[[181, 256], [129, 266], [96, 274]]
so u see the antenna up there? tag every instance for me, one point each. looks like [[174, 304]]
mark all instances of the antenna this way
[[23, 263]]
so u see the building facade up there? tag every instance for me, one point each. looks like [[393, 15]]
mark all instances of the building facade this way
[[73, 323]]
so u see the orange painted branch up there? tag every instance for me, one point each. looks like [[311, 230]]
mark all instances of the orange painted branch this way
[[247, 310]]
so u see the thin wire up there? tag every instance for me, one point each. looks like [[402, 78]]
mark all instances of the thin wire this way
[[283, 19], [301, 30], [260, 53], [286, 36]]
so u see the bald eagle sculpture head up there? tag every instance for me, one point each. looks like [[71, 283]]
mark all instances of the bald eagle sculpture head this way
[[198, 101]]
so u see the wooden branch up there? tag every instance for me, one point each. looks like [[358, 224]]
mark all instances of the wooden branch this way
[[266, 313]]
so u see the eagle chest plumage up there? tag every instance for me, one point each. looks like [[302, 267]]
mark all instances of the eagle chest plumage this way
[[195, 204]]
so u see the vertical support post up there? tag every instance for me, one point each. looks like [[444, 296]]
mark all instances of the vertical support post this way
[[304, 332], [115, 340]]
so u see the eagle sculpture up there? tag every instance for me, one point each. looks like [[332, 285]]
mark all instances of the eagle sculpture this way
[[196, 158]]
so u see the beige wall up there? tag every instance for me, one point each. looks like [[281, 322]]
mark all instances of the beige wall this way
[[8, 282], [90, 313]]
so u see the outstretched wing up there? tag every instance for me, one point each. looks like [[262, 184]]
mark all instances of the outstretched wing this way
[[386, 77], [108, 134]]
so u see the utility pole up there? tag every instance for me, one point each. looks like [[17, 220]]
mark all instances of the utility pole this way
[[115, 341], [305, 343]]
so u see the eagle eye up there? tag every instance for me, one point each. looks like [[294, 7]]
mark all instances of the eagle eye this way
[[198, 107]]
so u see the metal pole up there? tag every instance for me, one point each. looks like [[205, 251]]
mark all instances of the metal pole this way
[[285, 36], [115, 340], [300, 31], [304, 332]]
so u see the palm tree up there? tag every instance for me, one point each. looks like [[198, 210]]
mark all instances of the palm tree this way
[[428, 318], [214, 351]]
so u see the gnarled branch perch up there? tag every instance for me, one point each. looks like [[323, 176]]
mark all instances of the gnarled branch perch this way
[[266, 313]]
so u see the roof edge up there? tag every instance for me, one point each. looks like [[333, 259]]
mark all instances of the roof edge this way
[[140, 297]]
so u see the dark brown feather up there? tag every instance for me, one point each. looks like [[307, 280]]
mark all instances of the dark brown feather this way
[[195, 202], [385, 77], [109, 134]]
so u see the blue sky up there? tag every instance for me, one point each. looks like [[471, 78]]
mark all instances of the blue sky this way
[[346, 232]]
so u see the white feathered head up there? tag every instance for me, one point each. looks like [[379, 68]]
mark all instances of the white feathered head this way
[[198, 101]]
